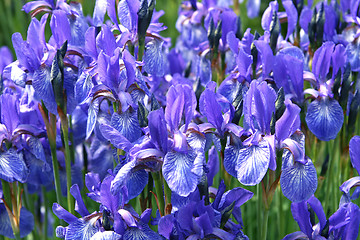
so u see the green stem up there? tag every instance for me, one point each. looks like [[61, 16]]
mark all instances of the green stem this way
[[265, 224], [141, 48], [328, 175], [65, 131], [167, 191], [159, 191], [258, 208]]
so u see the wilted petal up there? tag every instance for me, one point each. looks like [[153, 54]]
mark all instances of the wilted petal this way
[[324, 118], [178, 170], [299, 181], [253, 163]]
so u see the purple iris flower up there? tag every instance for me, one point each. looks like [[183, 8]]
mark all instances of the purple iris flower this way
[[343, 224], [26, 224], [324, 115], [194, 219]]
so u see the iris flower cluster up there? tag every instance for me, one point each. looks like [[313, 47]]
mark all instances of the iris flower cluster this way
[[139, 139]]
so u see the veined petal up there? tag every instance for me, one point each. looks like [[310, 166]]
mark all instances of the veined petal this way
[[127, 124], [115, 137], [107, 235], [299, 181], [154, 58], [142, 233], [92, 115], [12, 166], [82, 229], [43, 88], [83, 87], [99, 12], [61, 213], [178, 171], [137, 183], [324, 118], [36, 148], [253, 163], [231, 155], [354, 150]]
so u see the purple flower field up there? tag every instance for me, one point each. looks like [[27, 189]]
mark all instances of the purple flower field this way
[[119, 125]]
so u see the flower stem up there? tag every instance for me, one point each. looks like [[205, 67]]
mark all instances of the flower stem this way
[[159, 191], [265, 224], [51, 133], [45, 226], [65, 131]]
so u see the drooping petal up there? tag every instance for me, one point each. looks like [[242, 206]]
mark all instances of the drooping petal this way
[[299, 181], [354, 150], [231, 155], [36, 148], [253, 163], [213, 165], [61, 213], [178, 171], [353, 55], [12, 166], [324, 118], [82, 229], [144, 233], [137, 183], [107, 235], [115, 137], [127, 124]]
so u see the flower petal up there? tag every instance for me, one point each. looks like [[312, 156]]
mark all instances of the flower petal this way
[[253, 163], [178, 171], [127, 124], [12, 166], [107, 235], [299, 181], [354, 150], [154, 58], [82, 229], [324, 118]]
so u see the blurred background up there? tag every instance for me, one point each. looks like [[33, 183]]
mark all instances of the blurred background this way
[[13, 19]]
